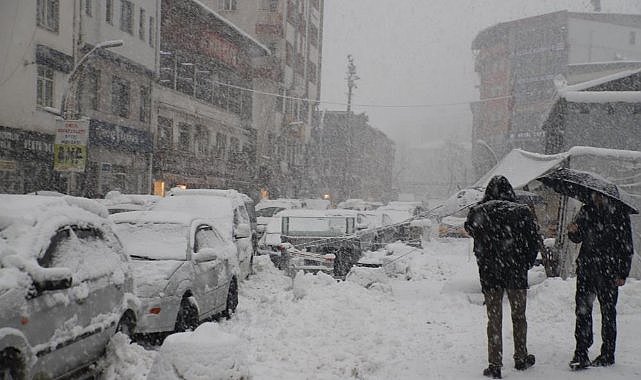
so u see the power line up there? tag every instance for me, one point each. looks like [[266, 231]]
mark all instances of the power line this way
[[432, 105]]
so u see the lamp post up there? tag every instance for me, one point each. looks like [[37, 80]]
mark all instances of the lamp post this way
[[70, 145], [77, 69]]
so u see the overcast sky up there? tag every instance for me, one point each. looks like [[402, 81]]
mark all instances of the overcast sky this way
[[417, 52]]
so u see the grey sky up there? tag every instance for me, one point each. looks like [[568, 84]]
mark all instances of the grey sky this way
[[412, 52]]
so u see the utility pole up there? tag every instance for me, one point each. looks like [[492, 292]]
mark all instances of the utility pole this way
[[351, 80]]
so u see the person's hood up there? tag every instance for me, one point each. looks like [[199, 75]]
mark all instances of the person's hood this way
[[499, 188]]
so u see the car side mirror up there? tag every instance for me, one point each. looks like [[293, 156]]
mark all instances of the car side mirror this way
[[243, 231], [53, 279], [205, 254]]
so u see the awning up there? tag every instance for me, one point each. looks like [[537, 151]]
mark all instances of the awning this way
[[520, 167]]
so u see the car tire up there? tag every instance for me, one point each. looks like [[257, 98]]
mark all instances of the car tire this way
[[187, 318], [12, 365], [127, 324], [232, 299]]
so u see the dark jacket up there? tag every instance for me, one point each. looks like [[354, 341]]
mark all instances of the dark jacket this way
[[605, 235], [506, 239]]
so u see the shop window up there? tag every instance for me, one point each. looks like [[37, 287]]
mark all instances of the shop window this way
[[221, 145], [184, 137], [145, 103], [202, 140], [44, 86], [48, 14], [165, 133]]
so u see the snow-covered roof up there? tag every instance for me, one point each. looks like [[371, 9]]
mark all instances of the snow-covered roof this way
[[141, 217], [601, 96], [280, 202], [233, 26], [520, 166], [598, 81], [225, 193]]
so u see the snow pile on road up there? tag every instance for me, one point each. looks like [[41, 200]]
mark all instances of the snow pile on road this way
[[126, 360], [207, 353]]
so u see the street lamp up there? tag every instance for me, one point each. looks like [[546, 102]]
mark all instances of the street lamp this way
[[488, 147], [76, 70]]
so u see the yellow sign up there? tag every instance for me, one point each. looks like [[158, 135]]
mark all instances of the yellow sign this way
[[9, 166], [70, 146]]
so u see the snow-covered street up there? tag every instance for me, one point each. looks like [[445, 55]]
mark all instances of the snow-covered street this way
[[424, 320]]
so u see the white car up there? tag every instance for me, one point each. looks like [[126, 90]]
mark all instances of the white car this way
[[228, 213], [185, 270], [65, 286]]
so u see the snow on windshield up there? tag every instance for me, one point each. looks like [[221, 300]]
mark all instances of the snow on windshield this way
[[157, 241]]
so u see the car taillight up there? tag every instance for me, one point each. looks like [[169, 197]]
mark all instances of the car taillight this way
[[154, 310]]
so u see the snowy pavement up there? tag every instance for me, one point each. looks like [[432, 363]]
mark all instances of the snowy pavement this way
[[423, 320]]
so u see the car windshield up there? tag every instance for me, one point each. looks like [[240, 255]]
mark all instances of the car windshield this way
[[318, 226], [154, 241], [269, 211]]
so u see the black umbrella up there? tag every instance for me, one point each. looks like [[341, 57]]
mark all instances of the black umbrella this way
[[527, 198], [581, 185]]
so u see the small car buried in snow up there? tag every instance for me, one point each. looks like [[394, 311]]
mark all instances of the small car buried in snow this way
[[185, 271], [65, 286]]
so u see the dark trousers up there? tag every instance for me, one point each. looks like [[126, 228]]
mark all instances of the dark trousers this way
[[587, 289], [494, 305]]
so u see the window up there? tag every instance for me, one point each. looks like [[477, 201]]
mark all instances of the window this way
[[127, 16], [234, 147], [313, 35], [633, 38], [89, 7], [152, 32], [289, 54], [145, 103], [44, 86], [109, 11], [268, 5], [47, 14], [201, 140], [636, 109], [141, 24], [311, 72], [227, 5], [206, 237], [165, 133], [120, 97], [90, 90], [221, 145], [184, 137]]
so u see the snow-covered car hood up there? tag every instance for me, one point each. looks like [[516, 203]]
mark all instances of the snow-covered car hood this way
[[151, 277]]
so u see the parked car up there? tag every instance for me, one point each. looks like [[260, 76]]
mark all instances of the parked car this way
[[375, 229], [267, 208], [65, 286], [185, 270], [228, 213]]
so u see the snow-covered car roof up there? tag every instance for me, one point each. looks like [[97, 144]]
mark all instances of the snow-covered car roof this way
[[218, 209], [280, 202], [305, 213], [224, 193], [27, 222], [141, 217]]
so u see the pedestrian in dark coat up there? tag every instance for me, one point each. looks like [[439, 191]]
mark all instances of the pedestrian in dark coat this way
[[603, 229], [506, 243]]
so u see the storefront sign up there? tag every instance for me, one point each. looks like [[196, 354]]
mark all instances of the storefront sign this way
[[70, 145], [8, 166], [119, 137]]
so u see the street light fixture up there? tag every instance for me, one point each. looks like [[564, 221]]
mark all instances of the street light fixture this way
[[77, 69]]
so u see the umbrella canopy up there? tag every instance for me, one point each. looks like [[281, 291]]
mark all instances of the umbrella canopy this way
[[580, 185]]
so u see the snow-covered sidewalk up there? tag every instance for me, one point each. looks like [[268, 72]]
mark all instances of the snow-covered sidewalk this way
[[425, 322]]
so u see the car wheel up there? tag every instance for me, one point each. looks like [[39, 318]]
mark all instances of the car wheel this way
[[11, 365], [127, 324], [187, 318], [232, 299]]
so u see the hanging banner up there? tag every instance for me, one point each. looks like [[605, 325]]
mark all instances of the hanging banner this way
[[70, 145]]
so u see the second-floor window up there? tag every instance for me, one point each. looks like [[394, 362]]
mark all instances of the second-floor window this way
[[141, 24], [89, 8], [145, 103], [127, 16], [109, 11], [227, 5], [47, 14], [120, 95], [44, 86]]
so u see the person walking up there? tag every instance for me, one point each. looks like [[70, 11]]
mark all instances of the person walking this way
[[604, 231], [506, 243]]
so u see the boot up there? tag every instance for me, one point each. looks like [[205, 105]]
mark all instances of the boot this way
[[580, 361], [493, 372], [603, 360], [524, 363]]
